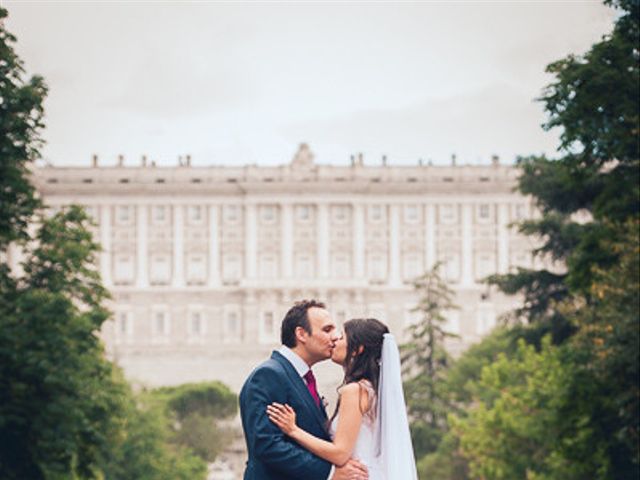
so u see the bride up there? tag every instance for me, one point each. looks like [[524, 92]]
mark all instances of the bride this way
[[370, 421]]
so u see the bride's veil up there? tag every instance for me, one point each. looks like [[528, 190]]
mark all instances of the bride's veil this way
[[392, 437]]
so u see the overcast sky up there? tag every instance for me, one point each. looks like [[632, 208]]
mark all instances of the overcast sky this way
[[238, 83]]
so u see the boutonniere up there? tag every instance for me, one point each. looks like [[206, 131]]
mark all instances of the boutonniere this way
[[325, 402]]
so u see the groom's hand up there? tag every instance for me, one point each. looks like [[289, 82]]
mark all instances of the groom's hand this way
[[352, 470]]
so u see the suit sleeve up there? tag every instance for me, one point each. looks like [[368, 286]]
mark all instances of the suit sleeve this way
[[271, 446]]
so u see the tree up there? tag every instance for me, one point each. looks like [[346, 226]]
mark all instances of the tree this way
[[60, 404], [21, 121], [594, 186], [425, 362], [65, 410], [194, 414]]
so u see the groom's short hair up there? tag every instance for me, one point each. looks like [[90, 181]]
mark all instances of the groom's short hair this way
[[297, 317]]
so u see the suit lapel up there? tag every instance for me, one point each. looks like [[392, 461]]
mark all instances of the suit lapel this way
[[301, 388]]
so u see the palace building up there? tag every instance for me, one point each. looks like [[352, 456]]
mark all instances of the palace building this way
[[203, 262]]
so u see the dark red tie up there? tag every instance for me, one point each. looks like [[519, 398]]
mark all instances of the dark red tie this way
[[311, 385]]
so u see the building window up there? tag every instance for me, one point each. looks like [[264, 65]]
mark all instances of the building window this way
[[268, 214], [484, 212], [195, 214], [267, 266], [231, 213], [412, 266], [159, 214], [340, 266], [232, 331], [124, 214], [304, 266], [485, 265], [196, 268], [303, 213], [124, 269], [376, 213], [340, 213], [268, 327], [411, 214], [197, 325], [160, 326], [160, 269], [447, 213], [123, 327], [451, 267], [231, 267], [377, 267]]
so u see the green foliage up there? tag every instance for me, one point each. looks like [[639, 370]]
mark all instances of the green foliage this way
[[194, 413], [208, 399], [146, 451], [60, 406], [21, 120], [425, 362], [594, 100]]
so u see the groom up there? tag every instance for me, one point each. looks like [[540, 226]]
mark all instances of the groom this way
[[308, 336]]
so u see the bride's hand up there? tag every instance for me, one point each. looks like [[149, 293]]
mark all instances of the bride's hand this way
[[283, 416]]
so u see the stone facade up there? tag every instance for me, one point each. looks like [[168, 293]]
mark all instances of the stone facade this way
[[203, 262]]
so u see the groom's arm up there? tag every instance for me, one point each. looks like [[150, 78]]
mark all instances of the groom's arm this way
[[271, 446]]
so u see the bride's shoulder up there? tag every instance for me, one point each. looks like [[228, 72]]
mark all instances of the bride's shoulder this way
[[360, 392]]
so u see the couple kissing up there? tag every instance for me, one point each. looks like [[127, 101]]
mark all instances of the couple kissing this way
[[288, 432]]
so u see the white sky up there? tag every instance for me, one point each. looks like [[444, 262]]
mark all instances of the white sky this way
[[237, 83]]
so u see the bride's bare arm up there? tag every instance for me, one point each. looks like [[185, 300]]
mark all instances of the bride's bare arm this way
[[339, 451]]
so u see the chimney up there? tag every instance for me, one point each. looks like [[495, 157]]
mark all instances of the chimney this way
[[180, 160], [360, 159], [94, 160], [144, 160], [453, 160], [352, 158], [188, 160], [384, 160], [495, 160], [420, 162], [121, 160]]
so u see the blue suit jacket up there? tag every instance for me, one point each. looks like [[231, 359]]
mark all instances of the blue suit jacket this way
[[273, 455]]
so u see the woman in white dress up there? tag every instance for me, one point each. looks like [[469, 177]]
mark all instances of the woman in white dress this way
[[370, 422]]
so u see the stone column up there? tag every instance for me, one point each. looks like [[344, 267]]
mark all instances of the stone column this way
[[178, 246], [358, 240], [503, 238], [142, 242], [322, 240], [394, 245], [467, 245], [105, 241], [286, 240], [250, 241], [430, 237], [214, 247]]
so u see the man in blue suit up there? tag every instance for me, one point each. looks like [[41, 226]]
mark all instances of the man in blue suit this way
[[308, 336]]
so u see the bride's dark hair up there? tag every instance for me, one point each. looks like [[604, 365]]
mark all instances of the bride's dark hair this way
[[366, 334]]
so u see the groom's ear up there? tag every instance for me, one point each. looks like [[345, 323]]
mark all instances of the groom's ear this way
[[301, 335]]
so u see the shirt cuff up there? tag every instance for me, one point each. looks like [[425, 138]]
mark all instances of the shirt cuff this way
[[331, 472]]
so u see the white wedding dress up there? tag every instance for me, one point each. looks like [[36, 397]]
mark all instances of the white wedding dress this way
[[384, 441], [364, 449]]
